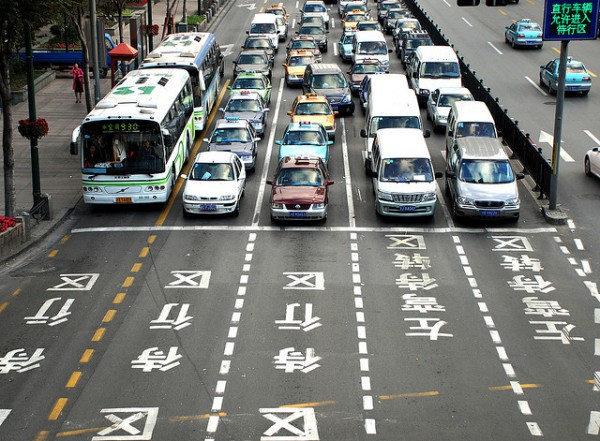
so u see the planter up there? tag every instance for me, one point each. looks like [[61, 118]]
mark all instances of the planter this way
[[18, 96], [12, 239]]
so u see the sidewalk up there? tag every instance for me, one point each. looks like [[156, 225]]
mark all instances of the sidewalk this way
[[60, 172]]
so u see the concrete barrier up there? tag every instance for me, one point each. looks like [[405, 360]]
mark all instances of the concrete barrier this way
[[19, 96]]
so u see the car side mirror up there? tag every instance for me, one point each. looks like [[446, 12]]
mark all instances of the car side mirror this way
[[450, 133], [278, 142], [266, 109], [183, 176], [269, 181], [329, 142], [221, 109], [363, 133], [206, 140], [248, 32], [284, 65], [499, 133], [290, 113], [439, 175], [520, 175], [329, 182], [336, 112], [389, 51], [450, 174], [415, 74]]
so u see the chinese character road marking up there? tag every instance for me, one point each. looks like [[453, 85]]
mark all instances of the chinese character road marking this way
[[545, 308], [524, 262], [76, 282], [164, 322], [291, 360], [187, 279], [18, 360], [407, 280], [406, 242], [553, 333], [405, 262], [4, 414], [537, 284], [42, 318], [290, 322], [152, 359], [305, 280], [282, 418], [126, 424], [511, 243], [421, 304], [431, 331]]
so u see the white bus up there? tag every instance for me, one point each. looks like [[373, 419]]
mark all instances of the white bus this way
[[200, 55], [135, 141]]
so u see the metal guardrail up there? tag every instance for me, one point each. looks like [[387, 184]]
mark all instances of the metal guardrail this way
[[519, 142]]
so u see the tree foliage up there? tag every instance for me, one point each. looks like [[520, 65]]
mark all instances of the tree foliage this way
[[14, 14]]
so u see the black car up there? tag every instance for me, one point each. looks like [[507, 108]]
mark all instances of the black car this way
[[260, 42], [253, 61], [317, 32], [410, 42]]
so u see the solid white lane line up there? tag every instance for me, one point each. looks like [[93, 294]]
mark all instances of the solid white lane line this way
[[495, 48], [534, 84], [465, 20], [349, 200], [592, 137]]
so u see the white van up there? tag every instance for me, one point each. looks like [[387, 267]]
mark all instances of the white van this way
[[432, 67], [469, 118], [402, 174], [390, 84], [371, 44], [265, 24], [384, 113]]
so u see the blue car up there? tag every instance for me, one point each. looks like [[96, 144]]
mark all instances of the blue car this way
[[304, 139], [524, 33], [577, 78], [345, 46]]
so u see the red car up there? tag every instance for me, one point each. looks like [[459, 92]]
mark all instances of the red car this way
[[300, 189]]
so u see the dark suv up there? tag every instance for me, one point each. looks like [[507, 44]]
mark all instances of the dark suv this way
[[410, 42]]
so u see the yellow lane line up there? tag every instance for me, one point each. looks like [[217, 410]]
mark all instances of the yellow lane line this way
[[42, 436], [179, 183], [313, 404], [128, 282], [53, 253], [144, 252], [64, 239], [58, 408], [16, 292], [75, 376], [110, 314], [409, 395], [136, 267], [99, 334], [119, 298], [3, 306], [151, 239], [180, 419], [80, 432], [87, 356], [555, 49], [523, 386]]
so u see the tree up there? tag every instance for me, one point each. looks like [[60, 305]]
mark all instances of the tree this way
[[11, 34], [77, 13]]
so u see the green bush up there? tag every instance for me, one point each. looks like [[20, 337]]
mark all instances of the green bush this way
[[195, 19]]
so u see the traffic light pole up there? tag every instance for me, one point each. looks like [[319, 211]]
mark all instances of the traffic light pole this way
[[558, 116]]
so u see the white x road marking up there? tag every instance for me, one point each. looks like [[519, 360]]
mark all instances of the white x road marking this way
[[406, 242], [187, 279], [305, 280], [126, 424], [307, 432], [512, 243], [76, 282]]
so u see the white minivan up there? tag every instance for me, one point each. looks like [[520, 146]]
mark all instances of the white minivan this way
[[432, 67], [265, 24], [469, 118], [384, 113], [371, 45], [402, 174]]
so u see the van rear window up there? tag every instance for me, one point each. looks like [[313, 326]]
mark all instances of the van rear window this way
[[394, 122]]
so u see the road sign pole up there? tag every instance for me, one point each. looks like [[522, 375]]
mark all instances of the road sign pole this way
[[558, 116]]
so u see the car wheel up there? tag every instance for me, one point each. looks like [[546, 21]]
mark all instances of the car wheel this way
[[542, 82], [539, 46], [585, 92], [454, 211], [185, 213], [236, 211], [551, 89], [437, 128], [513, 44], [506, 40], [447, 190], [587, 167]]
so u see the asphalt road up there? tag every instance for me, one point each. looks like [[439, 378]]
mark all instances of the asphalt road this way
[[150, 326]]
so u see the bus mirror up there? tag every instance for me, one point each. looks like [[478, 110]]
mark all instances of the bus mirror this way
[[73, 149], [74, 137]]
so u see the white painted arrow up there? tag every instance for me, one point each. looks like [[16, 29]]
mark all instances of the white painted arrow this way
[[226, 49], [250, 6], [549, 139]]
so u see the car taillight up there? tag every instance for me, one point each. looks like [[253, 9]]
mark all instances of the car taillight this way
[[586, 79]]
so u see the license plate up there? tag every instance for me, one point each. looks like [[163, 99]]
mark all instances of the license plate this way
[[490, 213], [407, 208], [123, 200], [208, 207], [297, 214]]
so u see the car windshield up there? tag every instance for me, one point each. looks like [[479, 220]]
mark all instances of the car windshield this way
[[347, 39], [311, 30], [356, 17], [301, 60], [530, 27], [262, 28], [314, 8], [407, 170], [367, 27], [258, 44], [312, 109], [243, 106], [300, 177], [409, 25], [329, 81], [212, 172], [415, 43], [446, 100], [248, 83], [575, 67], [303, 137], [366, 68], [252, 59], [391, 122], [372, 48], [230, 135], [395, 14], [304, 44], [465, 129], [486, 172], [440, 69]]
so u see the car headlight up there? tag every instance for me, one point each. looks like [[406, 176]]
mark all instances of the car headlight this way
[[465, 201], [384, 196], [190, 197], [318, 206], [429, 196], [276, 206], [346, 98], [227, 197], [513, 202]]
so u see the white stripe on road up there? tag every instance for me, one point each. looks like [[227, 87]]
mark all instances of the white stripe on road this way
[[465, 20], [494, 47], [351, 214], [592, 137], [533, 83]]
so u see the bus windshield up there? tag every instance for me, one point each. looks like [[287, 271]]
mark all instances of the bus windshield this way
[[132, 147]]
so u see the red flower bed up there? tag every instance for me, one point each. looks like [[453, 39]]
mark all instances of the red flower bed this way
[[6, 223]]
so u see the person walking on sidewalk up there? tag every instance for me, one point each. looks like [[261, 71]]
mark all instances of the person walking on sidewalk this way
[[77, 74]]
